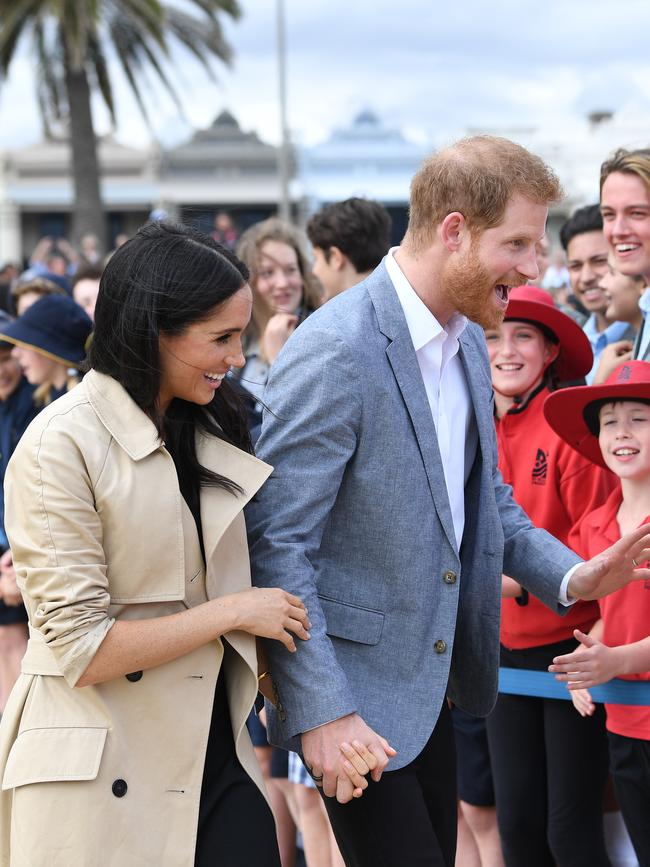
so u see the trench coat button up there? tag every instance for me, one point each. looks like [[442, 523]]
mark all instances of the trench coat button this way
[[449, 577], [119, 788], [440, 646], [134, 676]]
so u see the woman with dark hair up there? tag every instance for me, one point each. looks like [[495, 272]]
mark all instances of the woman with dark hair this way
[[125, 732]]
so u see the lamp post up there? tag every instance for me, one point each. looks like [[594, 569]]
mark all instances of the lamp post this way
[[284, 208]]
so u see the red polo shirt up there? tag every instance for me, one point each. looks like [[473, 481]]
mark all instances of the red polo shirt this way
[[626, 613], [555, 486]]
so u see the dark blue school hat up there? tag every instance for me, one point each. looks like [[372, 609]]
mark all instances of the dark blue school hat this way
[[55, 325]]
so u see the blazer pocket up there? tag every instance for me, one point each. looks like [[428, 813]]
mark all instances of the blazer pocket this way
[[54, 754], [363, 625]]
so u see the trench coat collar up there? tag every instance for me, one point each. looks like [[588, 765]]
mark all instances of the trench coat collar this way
[[219, 507], [121, 416]]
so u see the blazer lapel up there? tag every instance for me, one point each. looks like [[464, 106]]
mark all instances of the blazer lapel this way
[[473, 364], [404, 363]]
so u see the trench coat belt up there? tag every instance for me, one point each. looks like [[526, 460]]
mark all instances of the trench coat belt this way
[[39, 659]]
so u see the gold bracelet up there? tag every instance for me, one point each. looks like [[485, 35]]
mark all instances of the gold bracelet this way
[[261, 676]]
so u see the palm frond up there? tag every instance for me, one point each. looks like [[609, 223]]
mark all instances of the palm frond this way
[[204, 42], [102, 79], [16, 17]]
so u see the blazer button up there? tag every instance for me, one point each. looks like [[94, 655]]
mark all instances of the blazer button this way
[[119, 788], [134, 676], [449, 577], [440, 646]]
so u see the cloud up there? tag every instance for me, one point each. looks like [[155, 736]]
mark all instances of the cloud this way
[[435, 69]]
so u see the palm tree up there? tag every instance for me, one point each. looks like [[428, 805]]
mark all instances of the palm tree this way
[[72, 41]]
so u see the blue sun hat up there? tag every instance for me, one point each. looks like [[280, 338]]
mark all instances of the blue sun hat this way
[[56, 326]]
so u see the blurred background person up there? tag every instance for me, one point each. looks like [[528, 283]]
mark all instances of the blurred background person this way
[[553, 272], [50, 341], [285, 291], [349, 240], [24, 293], [224, 230], [85, 288], [17, 409], [586, 248], [9, 272]]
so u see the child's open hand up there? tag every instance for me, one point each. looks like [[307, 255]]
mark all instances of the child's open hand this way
[[582, 702], [590, 664]]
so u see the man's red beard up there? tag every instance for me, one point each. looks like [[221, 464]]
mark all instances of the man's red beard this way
[[467, 286]]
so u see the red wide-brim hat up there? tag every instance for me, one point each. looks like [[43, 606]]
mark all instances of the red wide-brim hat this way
[[536, 305], [565, 409]]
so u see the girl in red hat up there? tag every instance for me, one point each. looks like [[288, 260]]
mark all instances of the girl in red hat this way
[[610, 425], [549, 766]]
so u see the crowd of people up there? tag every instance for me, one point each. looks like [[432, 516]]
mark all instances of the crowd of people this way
[[404, 445]]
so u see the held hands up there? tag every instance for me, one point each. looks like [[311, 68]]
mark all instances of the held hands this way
[[590, 664], [269, 613], [341, 753], [614, 568]]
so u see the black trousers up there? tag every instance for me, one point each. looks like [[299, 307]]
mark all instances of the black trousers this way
[[408, 819], [550, 769], [630, 767], [236, 826]]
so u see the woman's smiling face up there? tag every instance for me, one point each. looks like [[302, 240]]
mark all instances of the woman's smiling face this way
[[194, 363]]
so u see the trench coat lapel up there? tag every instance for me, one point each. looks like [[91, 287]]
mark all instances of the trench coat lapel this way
[[404, 363], [218, 506]]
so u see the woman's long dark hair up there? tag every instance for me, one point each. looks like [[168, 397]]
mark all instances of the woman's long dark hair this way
[[164, 279]]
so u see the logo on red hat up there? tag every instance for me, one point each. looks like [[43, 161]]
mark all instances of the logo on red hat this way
[[624, 374]]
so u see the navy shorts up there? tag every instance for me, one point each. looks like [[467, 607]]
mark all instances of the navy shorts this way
[[475, 785]]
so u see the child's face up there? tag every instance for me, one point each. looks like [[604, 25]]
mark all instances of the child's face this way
[[519, 354], [624, 438]]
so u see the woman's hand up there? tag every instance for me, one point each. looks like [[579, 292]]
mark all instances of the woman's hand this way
[[278, 330], [9, 591], [269, 613]]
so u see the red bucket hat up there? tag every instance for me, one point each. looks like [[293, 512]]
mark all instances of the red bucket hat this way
[[567, 410], [536, 305]]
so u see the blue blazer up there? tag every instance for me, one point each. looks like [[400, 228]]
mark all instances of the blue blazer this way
[[355, 520]]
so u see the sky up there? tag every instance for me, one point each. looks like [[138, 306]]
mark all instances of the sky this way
[[434, 69]]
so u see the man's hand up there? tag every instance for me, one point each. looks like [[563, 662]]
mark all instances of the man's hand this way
[[590, 664], [614, 568], [329, 752]]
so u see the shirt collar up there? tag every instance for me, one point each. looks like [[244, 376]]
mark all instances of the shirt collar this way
[[422, 324], [644, 302], [614, 331]]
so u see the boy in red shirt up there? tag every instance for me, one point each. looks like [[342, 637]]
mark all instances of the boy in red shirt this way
[[610, 424]]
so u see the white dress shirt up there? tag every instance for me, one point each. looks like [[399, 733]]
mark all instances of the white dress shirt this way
[[447, 390], [446, 386]]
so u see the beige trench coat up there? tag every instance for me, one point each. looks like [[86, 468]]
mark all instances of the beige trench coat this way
[[111, 774]]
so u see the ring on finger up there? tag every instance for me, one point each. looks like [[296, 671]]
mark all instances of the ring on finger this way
[[634, 563]]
